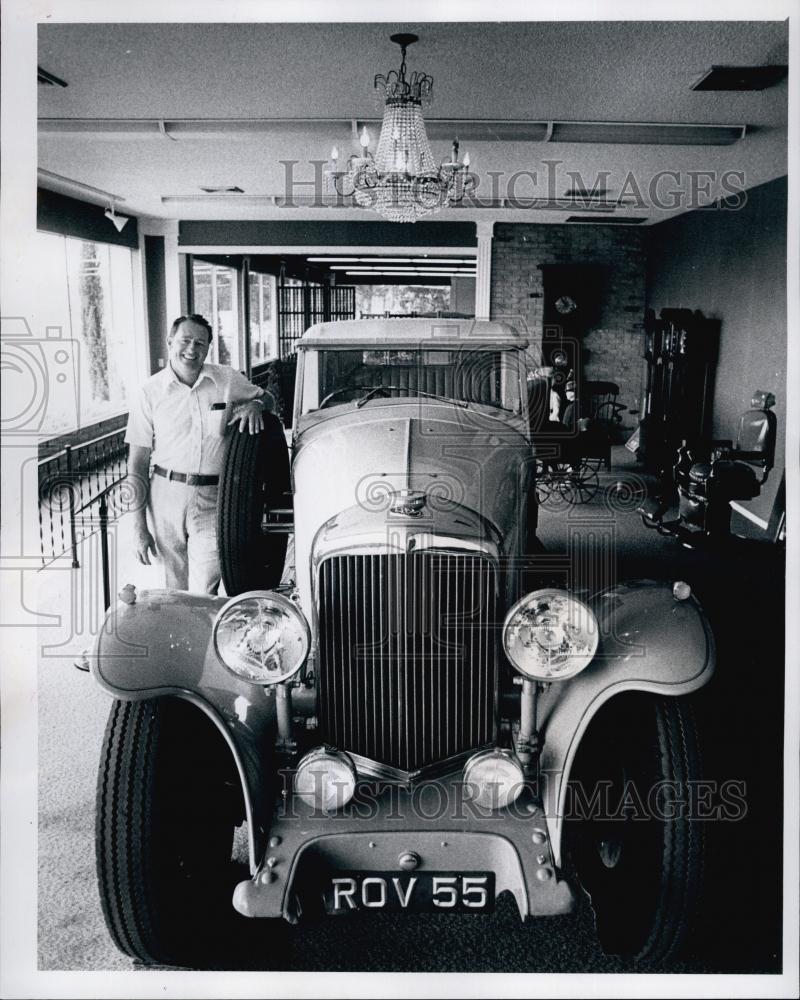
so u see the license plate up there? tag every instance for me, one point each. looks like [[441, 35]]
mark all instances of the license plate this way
[[421, 892]]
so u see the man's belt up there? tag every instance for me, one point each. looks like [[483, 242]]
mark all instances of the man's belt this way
[[182, 477]]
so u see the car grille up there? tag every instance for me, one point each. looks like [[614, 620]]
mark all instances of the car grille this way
[[408, 656]]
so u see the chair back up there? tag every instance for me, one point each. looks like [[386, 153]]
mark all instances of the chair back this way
[[757, 432]]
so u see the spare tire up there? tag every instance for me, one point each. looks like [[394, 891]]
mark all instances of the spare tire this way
[[255, 480]]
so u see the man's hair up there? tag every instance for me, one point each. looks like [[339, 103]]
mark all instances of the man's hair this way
[[195, 318]]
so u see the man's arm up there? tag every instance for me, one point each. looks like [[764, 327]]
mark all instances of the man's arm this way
[[139, 486]]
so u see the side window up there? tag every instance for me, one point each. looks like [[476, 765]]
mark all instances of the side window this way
[[215, 298], [83, 293]]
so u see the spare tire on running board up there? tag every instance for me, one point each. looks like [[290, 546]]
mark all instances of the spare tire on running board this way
[[255, 480]]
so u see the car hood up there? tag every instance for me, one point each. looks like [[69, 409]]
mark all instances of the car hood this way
[[364, 458]]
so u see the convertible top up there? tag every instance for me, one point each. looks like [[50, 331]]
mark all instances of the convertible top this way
[[430, 333]]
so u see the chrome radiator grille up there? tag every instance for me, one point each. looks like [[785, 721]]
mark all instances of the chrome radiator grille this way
[[408, 662]]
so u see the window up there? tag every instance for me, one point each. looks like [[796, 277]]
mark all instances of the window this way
[[384, 301], [483, 378], [215, 297], [85, 291], [263, 318]]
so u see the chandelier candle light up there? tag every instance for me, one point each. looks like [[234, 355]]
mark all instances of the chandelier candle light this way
[[402, 181]]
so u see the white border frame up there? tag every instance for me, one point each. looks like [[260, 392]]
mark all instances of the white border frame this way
[[18, 815]]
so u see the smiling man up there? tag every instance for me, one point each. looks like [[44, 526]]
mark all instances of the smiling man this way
[[177, 425]]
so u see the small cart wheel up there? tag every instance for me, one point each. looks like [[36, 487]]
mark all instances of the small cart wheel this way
[[559, 497], [581, 483], [544, 483]]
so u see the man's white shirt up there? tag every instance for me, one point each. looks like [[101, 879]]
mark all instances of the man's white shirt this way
[[177, 423]]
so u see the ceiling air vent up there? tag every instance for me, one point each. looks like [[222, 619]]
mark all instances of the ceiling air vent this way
[[619, 220], [47, 79], [741, 77]]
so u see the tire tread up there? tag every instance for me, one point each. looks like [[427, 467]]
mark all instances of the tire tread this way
[[666, 737], [149, 915], [255, 478]]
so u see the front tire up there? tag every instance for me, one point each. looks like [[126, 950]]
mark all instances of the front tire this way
[[168, 800], [639, 853]]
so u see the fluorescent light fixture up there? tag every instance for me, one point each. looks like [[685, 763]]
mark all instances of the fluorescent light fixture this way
[[425, 259], [415, 274], [407, 270]]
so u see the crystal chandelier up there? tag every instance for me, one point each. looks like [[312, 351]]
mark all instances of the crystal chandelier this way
[[402, 181]]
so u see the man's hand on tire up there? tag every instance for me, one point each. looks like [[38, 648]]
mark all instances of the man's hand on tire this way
[[250, 416]]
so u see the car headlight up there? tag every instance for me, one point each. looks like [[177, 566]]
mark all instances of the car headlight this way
[[325, 779], [550, 635], [262, 637], [495, 778]]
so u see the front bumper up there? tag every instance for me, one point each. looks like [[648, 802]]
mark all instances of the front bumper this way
[[434, 821]]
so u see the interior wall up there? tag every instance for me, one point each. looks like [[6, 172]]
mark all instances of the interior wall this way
[[730, 262], [614, 344]]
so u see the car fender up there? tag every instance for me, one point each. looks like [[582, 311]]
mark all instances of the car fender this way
[[161, 646], [649, 641]]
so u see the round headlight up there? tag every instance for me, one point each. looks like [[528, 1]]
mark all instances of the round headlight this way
[[495, 778], [550, 635], [262, 637], [325, 779]]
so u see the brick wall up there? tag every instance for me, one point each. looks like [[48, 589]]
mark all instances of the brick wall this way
[[615, 343]]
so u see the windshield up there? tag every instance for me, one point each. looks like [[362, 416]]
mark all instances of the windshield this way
[[347, 376]]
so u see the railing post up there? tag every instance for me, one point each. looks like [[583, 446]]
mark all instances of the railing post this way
[[72, 533], [326, 300], [104, 551]]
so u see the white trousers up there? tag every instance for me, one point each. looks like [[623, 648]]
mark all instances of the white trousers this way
[[184, 524]]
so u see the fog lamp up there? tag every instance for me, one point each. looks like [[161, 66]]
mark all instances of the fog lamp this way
[[262, 637], [550, 635], [325, 779], [494, 777]]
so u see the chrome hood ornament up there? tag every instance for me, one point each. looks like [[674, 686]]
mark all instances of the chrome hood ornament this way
[[407, 503]]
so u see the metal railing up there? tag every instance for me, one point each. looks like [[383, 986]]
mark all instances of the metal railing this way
[[80, 492]]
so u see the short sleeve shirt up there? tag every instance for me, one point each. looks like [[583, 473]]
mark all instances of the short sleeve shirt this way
[[177, 423]]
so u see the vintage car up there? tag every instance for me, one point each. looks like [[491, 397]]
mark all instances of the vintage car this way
[[411, 714]]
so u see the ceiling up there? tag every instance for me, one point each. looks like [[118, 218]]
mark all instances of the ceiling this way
[[235, 101]]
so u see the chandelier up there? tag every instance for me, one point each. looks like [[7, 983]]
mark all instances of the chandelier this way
[[401, 180]]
